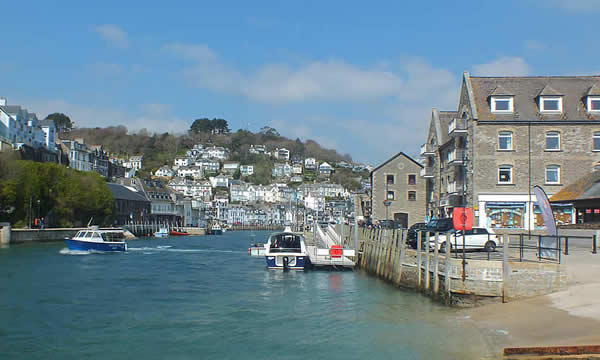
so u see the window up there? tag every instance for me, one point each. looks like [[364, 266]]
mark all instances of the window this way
[[505, 140], [552, 141], [593, 103], [389, 179], [505, 174], [390, 195], [596, 139], [551, 104], [412, 196], [502, 104], [412, 179], [552, 174]]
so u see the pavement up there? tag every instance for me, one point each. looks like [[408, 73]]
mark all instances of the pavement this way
[[569, 317]]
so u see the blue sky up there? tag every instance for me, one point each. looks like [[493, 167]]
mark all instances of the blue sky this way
[[361, 77]]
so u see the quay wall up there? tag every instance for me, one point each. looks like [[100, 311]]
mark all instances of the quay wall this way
[[18, 236], [440, 275]]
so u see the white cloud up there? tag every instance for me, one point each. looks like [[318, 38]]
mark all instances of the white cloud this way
[[318, 81], [197, 52], [113, 35], [504, 66], [153, 117]]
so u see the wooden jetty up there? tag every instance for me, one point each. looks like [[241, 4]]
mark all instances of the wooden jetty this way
[[327, 252]]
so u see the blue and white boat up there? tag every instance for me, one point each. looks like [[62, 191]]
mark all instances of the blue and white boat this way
[[162, 232], [94, 239], [286, 251], [216, 229]]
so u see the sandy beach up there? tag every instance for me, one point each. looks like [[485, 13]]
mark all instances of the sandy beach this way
[[569, 317]]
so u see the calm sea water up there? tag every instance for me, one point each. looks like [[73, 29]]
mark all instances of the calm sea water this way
[[203, 297]]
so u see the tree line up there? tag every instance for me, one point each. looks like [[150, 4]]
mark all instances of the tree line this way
[[62, 196]]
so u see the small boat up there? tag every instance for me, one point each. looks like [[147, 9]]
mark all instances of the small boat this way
[[179, 233], [257, 250], [216, 229], [94, 239], [163, 232], [286, 251]]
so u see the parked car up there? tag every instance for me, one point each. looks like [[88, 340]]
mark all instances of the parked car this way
[[411, 235], [442, 225], [475, 239]]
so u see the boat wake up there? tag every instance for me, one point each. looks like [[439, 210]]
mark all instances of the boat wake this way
[[67, 251], [167, 248]]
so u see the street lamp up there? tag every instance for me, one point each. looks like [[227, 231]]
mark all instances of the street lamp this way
[[38, 213]]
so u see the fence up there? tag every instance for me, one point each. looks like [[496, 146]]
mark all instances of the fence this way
[[458, 277]]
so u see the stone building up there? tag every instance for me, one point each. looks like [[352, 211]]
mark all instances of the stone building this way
[[396, 183], [507, 135]]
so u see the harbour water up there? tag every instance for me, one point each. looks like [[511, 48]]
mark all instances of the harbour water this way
[[203, 297]]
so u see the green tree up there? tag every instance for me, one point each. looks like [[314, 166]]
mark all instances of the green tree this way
[[62, 122]]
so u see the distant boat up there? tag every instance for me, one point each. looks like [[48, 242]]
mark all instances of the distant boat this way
[[163, 232], [94, 239], [286, 251], [179, 233], [216, 229]]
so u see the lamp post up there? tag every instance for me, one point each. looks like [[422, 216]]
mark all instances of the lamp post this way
[[38, 213]]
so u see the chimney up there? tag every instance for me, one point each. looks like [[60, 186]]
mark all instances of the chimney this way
[[2, 101]]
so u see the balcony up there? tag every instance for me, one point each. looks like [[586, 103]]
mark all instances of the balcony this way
[[457, 128], [427, 172], [456, 157], [455, 200], [451, 188], [427, 150]]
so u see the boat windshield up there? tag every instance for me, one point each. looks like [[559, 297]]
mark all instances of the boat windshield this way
[[285, 242], [113, 236]]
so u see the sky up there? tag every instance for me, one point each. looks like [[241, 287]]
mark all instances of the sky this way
[[361, 77]]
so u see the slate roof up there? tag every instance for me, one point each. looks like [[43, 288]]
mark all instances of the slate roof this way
[[11, 109], [445, 117], [394, 157], [584, 188], [526, 91], [121, 192]]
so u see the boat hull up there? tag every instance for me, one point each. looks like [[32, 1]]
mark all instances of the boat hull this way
[[215, 232], [179, 233], [96, 246], [295, 261]]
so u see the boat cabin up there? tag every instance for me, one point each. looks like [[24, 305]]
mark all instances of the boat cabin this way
[[108, 236], [285, 242]]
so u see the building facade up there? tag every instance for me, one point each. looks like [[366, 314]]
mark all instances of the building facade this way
[[397, 191], [507, 135]]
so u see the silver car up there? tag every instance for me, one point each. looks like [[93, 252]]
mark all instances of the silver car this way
[[475, 239]]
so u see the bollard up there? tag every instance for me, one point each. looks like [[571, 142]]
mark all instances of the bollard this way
[[594, 249], [566, 245]]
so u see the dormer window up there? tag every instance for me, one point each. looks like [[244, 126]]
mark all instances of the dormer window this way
[[593, 103], [551, 104], [502, 104]]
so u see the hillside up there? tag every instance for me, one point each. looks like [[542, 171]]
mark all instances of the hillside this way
[[161, 149]]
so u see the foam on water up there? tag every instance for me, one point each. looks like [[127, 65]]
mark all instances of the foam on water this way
[[67, 251]]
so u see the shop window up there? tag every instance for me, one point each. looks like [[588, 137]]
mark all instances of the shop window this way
[[505, 215], [412, 196], [505, 174], [412, 179]]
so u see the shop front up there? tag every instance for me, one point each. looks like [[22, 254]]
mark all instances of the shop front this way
[[505, 215]]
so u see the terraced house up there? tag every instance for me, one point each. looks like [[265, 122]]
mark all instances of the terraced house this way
[[507, 135]]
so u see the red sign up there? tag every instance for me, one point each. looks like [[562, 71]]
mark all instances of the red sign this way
[[336, 251], [462, 218]]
